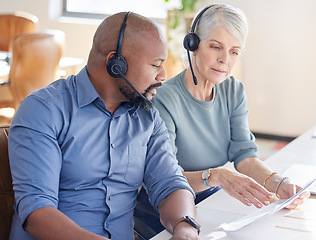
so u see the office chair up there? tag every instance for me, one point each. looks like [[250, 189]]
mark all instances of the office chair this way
[[12, 24]]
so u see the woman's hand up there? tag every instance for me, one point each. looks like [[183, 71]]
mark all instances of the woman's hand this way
[[288, 189], [241, 187]]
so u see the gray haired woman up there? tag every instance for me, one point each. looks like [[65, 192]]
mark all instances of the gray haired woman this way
[[205, 111], [207, 117]]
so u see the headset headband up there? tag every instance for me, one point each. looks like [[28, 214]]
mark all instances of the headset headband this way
[[121, 35], [198, 18]]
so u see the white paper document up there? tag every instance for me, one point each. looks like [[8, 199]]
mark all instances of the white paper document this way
[[300, 174], [265, 211]]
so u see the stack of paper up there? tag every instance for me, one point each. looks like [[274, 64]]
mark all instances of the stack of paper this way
[[265, 211]]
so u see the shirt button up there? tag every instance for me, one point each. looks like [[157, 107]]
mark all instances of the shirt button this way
[[112, 145], [110, 198]]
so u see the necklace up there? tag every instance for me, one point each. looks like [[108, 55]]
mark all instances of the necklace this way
[[193, 99]]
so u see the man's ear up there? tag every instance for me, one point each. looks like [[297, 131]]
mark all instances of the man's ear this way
[[116, 66], [110, 55]]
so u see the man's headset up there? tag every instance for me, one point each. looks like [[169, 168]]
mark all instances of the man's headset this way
[[191, 40], [117, 65]]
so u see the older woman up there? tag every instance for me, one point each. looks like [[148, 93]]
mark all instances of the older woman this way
[[207, 117]]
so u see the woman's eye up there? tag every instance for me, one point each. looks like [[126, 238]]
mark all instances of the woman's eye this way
[[215, 47]]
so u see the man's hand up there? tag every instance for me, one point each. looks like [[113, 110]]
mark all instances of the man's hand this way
[[184, 231]]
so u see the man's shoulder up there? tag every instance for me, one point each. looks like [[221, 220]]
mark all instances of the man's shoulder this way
[[56, 88]]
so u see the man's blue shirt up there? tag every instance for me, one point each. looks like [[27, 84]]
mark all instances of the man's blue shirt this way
[[68, 151]]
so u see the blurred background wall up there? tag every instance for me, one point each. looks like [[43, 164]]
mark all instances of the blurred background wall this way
[[277, 66]]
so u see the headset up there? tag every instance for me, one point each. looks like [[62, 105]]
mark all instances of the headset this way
[[117, 65], [191, 40]]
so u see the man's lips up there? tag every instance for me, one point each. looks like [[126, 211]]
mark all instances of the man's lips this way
[[152, 88], [153, 91]]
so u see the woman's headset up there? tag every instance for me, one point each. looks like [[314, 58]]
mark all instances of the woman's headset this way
[[191, 40]]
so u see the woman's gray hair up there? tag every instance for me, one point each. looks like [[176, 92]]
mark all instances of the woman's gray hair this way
[[223, 15]]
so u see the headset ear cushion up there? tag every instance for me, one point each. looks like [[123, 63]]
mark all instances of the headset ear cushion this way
[[191, 41], [118, 62]]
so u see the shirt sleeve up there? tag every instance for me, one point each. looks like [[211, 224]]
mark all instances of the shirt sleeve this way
[[242, 143], [35, 157], [162, 172]]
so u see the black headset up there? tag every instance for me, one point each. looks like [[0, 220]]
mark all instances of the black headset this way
[[118, 62], [191, 40], [117, 65]]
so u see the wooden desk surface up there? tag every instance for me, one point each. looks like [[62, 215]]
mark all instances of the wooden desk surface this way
[[295, 224]]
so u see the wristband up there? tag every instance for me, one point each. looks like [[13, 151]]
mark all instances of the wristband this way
[[190, 221], [205, 176], [278, 186], [267, 177]]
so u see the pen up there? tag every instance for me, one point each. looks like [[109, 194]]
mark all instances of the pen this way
[[293, 229]]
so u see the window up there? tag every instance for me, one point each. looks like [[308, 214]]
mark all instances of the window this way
[[154, 9]]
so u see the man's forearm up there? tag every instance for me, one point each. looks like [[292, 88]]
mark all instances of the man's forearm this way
[[49, 223], [178, 204]]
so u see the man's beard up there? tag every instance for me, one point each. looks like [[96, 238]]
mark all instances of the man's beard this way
[[134, 98]]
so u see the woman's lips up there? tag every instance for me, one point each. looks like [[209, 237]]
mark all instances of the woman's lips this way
[[218, 70]]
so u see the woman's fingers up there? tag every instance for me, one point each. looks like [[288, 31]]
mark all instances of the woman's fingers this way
[[288, 190], [247, 191]]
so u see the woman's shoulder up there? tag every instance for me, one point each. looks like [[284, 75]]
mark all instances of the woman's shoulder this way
[[232, 81], [231, 85], [170, 87]]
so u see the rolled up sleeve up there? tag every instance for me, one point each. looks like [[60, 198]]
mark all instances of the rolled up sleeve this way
[[242, 143], [162, 173], [35, 159]]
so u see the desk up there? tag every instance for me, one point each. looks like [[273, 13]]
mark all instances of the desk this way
[[4, 70], [4, 66], [284, 224], [70, 65]]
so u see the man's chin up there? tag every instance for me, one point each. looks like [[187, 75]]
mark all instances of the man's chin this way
[[147, 105]]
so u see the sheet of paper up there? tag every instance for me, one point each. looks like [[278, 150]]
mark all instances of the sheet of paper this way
[[300, 174], [265, 211]]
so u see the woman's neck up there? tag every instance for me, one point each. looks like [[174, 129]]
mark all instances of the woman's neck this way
[[203, 91]]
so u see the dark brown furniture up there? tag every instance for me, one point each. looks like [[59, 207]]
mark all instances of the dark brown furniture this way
[[6, 189]]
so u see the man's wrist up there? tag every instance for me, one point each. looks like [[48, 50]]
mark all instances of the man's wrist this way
[[190, 221]]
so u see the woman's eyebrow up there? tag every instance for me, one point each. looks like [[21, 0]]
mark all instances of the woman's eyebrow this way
[[214, 40]]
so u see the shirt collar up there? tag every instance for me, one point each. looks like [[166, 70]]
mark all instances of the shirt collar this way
[[87, 94]]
